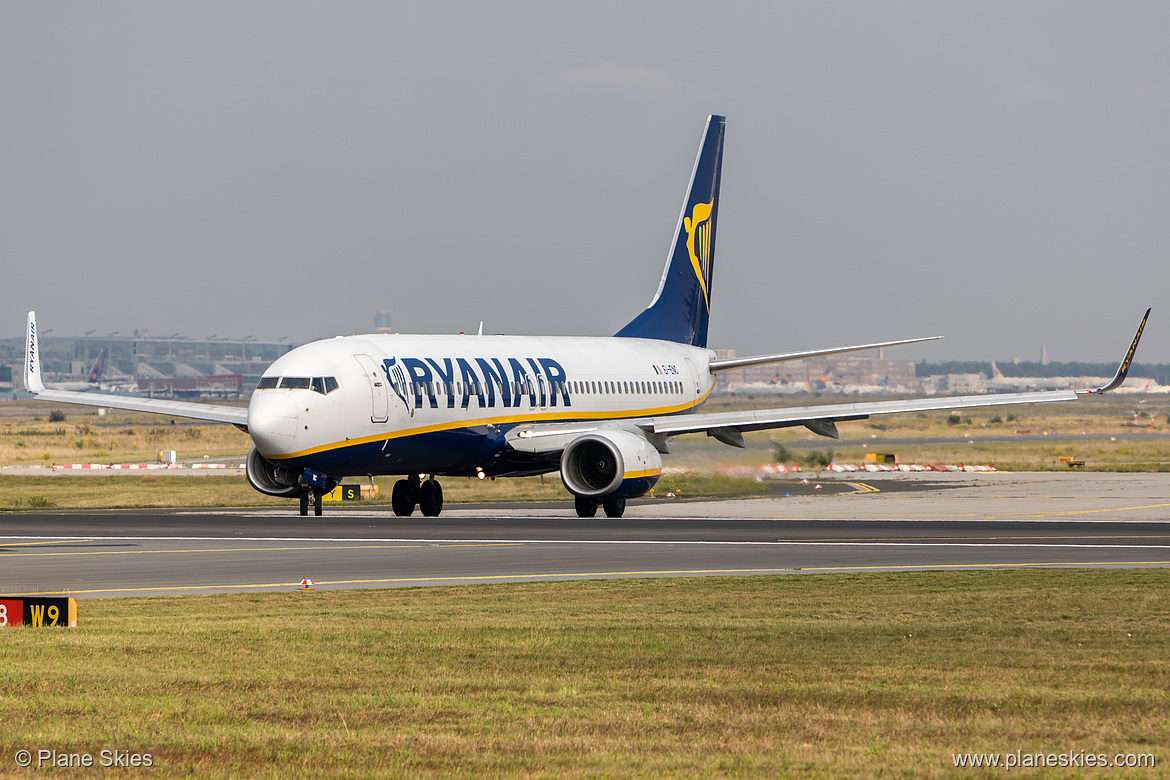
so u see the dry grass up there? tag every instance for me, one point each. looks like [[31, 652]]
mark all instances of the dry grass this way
[[824, 676], [135, 491], [28, 438]]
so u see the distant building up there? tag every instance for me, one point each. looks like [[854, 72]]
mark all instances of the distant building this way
[[66, 359], [221, 386], [382, 322], [965, 383]]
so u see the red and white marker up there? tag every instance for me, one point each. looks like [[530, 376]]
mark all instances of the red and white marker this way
[[307, 584]]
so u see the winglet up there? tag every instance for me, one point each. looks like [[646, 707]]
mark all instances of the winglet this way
[[1123, 369], [32, 358]]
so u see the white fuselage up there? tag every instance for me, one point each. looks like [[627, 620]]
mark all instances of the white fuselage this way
[[401, 404]]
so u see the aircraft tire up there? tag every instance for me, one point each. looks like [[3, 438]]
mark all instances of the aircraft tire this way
[[304, 503], [430, 498], [317, 498], [586, 507], [402, 499], [614, 507]]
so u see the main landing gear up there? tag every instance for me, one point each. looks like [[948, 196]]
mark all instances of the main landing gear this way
[[316, 496], [412, 491], [587, 507]]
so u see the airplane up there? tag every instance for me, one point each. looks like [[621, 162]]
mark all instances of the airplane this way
[[93, 380], [601, 410]]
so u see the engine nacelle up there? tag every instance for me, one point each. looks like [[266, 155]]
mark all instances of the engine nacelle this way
[[270, 479], [610, 464]]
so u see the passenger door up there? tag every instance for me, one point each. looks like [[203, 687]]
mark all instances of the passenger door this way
[[379, 393]]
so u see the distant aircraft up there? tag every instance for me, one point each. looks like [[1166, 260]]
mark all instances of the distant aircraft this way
[[599, 409], [92, 382]]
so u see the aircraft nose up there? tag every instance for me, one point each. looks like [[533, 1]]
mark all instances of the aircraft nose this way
[[272, 421]]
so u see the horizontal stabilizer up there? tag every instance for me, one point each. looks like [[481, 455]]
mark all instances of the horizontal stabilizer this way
[[727, 364]]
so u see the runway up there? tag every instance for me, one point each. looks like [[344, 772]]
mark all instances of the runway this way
[[875, 525]]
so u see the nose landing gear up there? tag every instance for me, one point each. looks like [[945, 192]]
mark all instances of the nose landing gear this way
[[412, 491], [316, 495]]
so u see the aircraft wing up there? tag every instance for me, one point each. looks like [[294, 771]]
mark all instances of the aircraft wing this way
[[728, 427], [231, 415]]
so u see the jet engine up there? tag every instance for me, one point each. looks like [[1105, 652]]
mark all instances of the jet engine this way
[[610, 464], [271, 479]]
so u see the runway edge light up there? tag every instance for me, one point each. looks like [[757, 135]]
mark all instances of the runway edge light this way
[[307, 584]]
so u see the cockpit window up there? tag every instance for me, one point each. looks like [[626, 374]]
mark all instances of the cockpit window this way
[[318, 384]]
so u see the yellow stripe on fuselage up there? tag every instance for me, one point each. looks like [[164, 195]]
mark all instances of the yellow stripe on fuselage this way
[[452, 425]]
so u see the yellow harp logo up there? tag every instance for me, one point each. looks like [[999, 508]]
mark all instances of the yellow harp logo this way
[[698, 227]]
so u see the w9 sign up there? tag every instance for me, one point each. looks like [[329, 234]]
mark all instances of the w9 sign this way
[[37, 611]]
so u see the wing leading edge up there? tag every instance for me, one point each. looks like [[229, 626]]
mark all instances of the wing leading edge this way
[[231, 415]]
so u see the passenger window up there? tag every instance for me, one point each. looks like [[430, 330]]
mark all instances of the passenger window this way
[[267, 382]]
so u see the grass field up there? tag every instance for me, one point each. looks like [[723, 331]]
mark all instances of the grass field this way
[[804, 675], [29, 437]]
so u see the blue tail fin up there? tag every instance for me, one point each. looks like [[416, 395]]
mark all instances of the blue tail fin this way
[[99, 367], [681, 307]]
